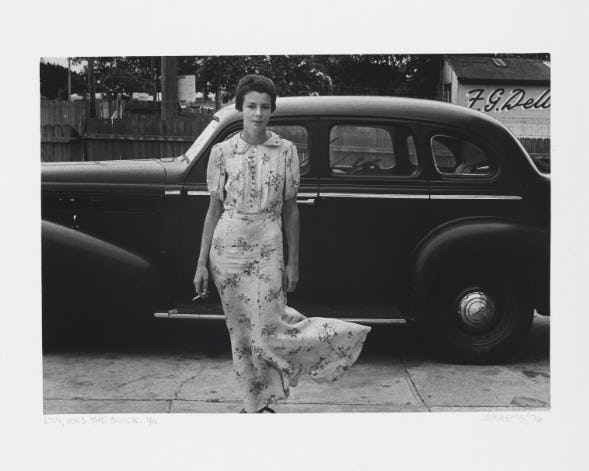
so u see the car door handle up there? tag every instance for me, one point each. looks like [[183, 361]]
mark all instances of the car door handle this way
[[306, 201]]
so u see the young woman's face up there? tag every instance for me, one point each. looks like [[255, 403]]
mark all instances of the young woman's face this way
[[257, 108]]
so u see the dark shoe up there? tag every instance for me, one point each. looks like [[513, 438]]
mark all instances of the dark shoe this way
[[265, 409]]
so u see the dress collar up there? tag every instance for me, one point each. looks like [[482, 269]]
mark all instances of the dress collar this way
[[241, 146]]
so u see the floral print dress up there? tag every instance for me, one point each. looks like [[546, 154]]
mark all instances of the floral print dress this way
[[272, 344]]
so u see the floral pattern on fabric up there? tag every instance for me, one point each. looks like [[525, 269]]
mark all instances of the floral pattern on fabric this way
[[272, 344], [254, 178]]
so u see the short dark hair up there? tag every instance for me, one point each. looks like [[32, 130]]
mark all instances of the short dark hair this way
[[254, 83]]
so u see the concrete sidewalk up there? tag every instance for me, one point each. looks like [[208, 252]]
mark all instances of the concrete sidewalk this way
[[203, 382]]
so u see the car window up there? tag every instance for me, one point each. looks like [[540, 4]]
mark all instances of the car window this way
[[298, 135], [372, 150], [457, 156]]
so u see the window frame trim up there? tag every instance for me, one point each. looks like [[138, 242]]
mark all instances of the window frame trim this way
[[463, 176]]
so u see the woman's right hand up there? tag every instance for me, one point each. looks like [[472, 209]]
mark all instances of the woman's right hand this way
[[201, 281]]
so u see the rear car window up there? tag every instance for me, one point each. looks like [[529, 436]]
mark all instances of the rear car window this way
[[457, 156], [372, 150]]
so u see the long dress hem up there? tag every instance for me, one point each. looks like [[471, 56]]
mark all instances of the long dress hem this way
[[327, 374]]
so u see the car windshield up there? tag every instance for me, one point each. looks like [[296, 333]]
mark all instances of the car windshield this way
[[204, 137], [201, 140]]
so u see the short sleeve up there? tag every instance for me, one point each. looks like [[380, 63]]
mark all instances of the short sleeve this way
[[216, 172], [292, 174]]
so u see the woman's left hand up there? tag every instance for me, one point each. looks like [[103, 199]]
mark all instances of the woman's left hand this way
[[291, 277]]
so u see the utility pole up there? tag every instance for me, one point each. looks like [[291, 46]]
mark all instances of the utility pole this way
[[69, 79], [153, 79], [91, 88], [219, 98], [169, 87]]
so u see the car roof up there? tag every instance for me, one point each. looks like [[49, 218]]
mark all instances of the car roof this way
[[417, 109], [373, 106]]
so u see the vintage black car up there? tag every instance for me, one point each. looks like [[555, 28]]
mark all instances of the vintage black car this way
[[411, 210]]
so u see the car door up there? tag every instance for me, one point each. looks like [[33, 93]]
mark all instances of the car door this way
[[373, 209], [195, 201]]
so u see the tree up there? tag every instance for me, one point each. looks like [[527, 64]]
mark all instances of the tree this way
[[123, 75], [387, 74], [362, 74], [423, 74], [292, 75], [53, 79], [320, 74]]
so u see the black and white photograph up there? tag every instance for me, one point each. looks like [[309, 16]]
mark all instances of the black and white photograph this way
[[364, 221], [412, 194]]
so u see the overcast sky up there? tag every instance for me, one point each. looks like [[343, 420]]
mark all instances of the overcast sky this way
[[62, 61]]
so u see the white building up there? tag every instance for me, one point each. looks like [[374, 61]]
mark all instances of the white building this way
[[514, 91]]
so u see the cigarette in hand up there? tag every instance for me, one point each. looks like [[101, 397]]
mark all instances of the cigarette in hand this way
[[198, 296]]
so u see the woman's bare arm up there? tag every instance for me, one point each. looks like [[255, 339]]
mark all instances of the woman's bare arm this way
[[290, 213], [201, 277]]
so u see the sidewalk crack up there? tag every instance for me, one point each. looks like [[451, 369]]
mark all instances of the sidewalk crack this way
[[412, 383], [175, 398], [118, 386]]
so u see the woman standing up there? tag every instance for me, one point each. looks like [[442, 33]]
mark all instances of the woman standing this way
[[253, 179]]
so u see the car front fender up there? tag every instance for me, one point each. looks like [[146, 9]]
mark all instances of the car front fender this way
[[87, 276]]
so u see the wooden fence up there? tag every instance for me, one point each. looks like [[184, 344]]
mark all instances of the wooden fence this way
[[140, 136], [73, 113], [63, 112], [132, 137], [536, 145], [539, 150], [60, 143]]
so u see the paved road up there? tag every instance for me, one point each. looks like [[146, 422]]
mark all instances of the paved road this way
[[187, 368]]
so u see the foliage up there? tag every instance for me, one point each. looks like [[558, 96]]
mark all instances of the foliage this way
[[362, 74], [423, 74], [319, 74], [384, 74], [124, 75], [54, 81], [292, 75]]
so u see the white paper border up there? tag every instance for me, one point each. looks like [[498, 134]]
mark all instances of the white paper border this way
[[539, 441]]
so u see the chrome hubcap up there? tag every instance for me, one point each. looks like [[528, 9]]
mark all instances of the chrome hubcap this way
[[476, 309]]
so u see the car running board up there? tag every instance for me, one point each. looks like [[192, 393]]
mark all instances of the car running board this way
[[174, 314]]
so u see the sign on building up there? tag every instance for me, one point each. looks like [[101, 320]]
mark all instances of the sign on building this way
[[514, 91]]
